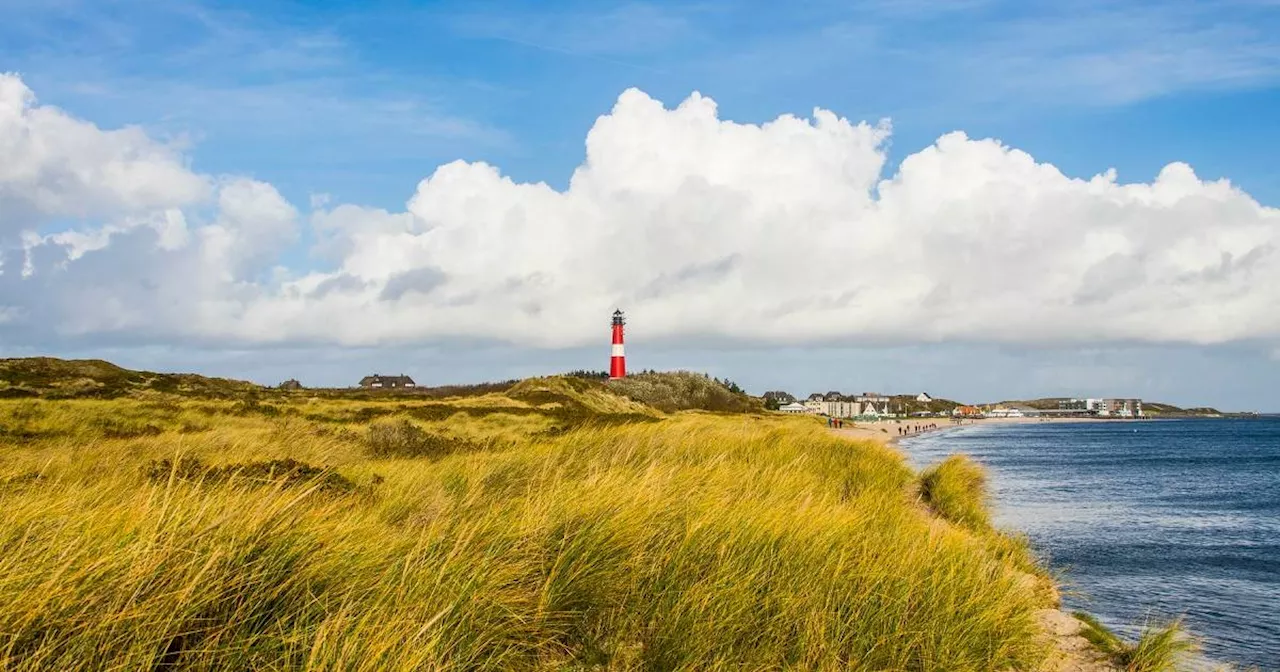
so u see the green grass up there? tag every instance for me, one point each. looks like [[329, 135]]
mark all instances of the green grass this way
[[956, 489], [1159, 648], [553, 526]]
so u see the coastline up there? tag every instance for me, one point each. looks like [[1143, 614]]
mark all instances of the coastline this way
[[1072, 651], [886, 430]]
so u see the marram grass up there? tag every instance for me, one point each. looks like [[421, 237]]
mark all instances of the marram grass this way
[[698, 542], [1160, 647], [956, 488]]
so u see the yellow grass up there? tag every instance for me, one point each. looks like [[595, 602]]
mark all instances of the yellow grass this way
[[565, 534]]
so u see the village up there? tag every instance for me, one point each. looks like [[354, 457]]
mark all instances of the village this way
[[876, 406], [867, 406]]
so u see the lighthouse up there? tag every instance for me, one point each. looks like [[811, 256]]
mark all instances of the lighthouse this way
[[617, 360]]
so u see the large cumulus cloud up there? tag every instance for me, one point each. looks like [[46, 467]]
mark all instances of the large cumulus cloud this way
[[784, 232]]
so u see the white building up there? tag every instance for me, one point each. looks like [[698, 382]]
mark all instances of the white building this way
[[837, 405], [1013, 412], [794, 407], [1107, 408], [840, 408], [1121, 408], [871, 403], [924, 398]]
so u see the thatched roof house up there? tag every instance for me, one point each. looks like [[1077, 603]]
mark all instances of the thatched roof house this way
[[381, 382]]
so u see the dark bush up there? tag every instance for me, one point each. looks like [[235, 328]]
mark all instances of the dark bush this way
[[251, 406], [287, 472], [405, 439], [20, 480], [682, 390], [126, 428]]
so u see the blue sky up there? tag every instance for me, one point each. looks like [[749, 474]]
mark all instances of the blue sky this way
[[361, 100], [354, 102]]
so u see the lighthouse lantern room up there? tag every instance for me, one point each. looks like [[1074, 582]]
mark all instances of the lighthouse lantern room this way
[[617, 359]]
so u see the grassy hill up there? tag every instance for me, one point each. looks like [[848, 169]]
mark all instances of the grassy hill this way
[[60, 378], [557, 524], [1153, 408], [908, 404], [682, 391]]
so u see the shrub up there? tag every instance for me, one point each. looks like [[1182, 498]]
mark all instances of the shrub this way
[[253, 406], [683, 390], [284, 473], [956, 489], [126, 428], [20, 480], [405, 439]]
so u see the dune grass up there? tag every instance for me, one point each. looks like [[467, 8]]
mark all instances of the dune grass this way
[[956, 489], [509, 534], [1160, 647]]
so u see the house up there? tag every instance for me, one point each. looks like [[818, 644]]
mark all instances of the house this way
[[841, 409], [794, 407], [380, 382], [779, 396], [873, 403], [1083, 405], [1121, 408], [1107, 408], [290, 384], [967, 412], [924, 398]]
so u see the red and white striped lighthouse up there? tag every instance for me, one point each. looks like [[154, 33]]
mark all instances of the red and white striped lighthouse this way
[[618, 360]]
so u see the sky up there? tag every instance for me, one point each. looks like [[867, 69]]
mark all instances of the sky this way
[[980, 199]]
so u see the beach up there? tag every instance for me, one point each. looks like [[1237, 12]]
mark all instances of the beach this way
[[887, 430], [1145, 519]]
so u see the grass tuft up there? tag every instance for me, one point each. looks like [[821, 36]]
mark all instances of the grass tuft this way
[[956, 489], [1159, 648]]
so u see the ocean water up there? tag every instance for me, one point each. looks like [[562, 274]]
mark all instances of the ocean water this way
[[1154, 518]]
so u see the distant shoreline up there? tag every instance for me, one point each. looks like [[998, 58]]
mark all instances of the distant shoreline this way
[[887, 430]]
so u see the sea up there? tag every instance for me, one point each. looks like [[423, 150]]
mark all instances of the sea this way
[[1146, 519]]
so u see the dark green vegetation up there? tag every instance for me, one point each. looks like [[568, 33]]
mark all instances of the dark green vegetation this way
[[683, 390], [908, 404], [279, 472]]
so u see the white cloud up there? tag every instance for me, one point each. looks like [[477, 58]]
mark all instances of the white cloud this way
[[699, 227], [57, 166]]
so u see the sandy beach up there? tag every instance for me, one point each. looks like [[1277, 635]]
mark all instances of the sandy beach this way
[[888, 430]]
